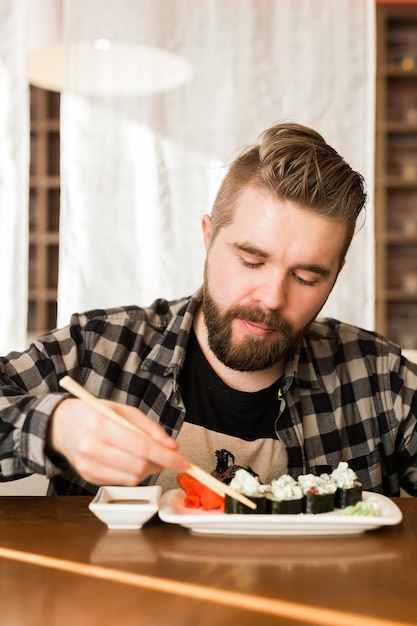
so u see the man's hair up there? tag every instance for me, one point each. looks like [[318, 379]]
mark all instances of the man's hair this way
[[294, 162]]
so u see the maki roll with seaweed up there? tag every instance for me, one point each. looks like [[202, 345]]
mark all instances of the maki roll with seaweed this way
[[348, 488], [249, 486], [284, 496], [319, 493]]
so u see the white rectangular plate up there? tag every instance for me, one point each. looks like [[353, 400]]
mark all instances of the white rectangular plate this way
[[173, 511]]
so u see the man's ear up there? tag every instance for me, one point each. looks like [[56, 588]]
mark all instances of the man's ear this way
[[206, 228]]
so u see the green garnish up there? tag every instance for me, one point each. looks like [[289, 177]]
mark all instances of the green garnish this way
[[361, 508]]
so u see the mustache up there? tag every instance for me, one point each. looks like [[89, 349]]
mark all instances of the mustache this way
[[258, 316]]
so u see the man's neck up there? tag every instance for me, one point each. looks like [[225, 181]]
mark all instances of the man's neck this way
[[241, 381]]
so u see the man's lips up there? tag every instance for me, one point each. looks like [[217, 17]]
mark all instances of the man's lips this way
[[256, 328]]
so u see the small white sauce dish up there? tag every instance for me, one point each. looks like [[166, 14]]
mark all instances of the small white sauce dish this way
[[125, 508]]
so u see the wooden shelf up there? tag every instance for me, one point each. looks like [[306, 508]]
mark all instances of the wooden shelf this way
[[397, 295], [396, 239], [44, 210], [397, 127], [396, 182], [396, 174], [397, 71], [44, 125], [45, 182], [44, 238]]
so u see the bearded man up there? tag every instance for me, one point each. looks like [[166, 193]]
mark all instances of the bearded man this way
[[244, 368]]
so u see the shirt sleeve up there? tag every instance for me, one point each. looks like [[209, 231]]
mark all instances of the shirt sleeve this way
[[29, 393], [404, 395]]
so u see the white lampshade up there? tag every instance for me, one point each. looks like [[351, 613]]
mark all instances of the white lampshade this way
[[106, 68]]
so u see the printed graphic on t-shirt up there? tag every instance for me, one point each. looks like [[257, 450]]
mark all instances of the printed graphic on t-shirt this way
[[226, 467]]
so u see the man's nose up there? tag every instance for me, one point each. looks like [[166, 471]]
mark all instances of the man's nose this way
[[272, 293]]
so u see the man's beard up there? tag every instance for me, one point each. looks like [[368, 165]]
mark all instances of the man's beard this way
[[252, 353]]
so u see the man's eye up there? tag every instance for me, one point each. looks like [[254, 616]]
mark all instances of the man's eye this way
[[249, 264], [303, 281]]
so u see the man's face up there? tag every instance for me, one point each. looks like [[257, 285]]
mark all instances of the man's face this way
[[267, 276]]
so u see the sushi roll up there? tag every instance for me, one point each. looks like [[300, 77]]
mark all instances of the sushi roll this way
[[284, 496], [249, 486], [349, 489], [319, 493]]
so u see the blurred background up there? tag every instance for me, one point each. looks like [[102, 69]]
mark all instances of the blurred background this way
[[126, 114]]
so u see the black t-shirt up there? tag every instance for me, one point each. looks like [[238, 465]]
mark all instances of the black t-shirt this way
[[216, 406]]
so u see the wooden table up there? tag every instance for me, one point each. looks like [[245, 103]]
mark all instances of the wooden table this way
[[61, 566]]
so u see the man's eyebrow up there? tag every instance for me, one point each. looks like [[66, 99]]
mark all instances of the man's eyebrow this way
[[250, 249], [320, 270]]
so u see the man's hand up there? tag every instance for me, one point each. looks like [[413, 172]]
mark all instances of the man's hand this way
[[106, 453]]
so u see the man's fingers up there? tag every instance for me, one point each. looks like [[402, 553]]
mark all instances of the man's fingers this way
[[150, 428], [104, 451]]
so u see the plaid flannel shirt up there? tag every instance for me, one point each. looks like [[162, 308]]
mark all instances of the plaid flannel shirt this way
[[347, 394]]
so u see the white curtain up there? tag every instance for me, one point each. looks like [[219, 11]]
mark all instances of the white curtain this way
[[14, 175], [141, 162]]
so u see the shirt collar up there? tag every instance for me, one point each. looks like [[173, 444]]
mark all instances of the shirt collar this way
[[167, 356], [300, 367]]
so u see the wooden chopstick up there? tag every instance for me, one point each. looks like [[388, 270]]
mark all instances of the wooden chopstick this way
[[77, 390]]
